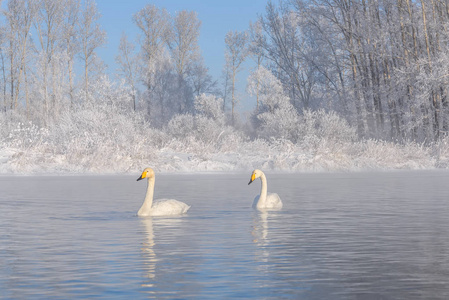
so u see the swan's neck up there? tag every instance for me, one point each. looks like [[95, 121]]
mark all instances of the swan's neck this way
[[263, 191], [146, 206]]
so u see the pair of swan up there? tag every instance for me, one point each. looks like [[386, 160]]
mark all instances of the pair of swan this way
[[170, 207]]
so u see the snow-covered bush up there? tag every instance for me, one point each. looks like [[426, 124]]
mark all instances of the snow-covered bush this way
[[276, 116], [105, 136], [102, 134], [319, 126], [8, 121], [26, 135], [376, 154], [206, 131], [118, 96], [211, 107], [281, 123], [181, 126], [440, 150]]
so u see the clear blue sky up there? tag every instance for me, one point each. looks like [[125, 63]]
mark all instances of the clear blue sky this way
[[217, 18]]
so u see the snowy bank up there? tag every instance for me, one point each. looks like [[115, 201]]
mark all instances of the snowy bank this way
[[279, 155], [106, 139]]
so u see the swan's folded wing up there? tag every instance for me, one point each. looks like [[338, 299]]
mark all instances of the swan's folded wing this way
[[274, 201], [169, 207]]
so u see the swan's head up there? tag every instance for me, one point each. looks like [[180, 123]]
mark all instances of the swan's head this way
[[256, 174], [147, 173]]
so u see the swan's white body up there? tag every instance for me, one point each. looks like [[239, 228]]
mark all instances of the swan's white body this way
[[265, 200], [162, 207]]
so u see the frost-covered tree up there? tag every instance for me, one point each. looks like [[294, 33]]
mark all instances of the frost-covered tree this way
[[184, 49], [183, 40], [255, 51], [128, 66], [20, 15], [49, 28], [211, 107], [225, 82], [235, 54], [3, 83], [171, 65], [154, 26], [200, 80], [286, 45], [71, 16], [91, 37], [50, 88], [366, 59], [276, 117], [167, 93]]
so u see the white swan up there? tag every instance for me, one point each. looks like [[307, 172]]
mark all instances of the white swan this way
[[265, 200], [163, 207]]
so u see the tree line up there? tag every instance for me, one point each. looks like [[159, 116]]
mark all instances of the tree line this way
[[380, 65], [45, 45]]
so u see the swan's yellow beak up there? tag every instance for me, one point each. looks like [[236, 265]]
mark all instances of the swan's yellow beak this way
[[144, 174], [252, 178]]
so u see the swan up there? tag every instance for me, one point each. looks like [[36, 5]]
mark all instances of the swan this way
[[163, 207], [264, 200]]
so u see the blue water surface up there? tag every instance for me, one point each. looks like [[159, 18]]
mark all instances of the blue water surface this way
[[339, 236]]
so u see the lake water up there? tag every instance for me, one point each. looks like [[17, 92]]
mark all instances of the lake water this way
[[339, 236]]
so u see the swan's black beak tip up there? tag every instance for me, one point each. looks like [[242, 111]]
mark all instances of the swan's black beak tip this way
[[250, 182], [140, 178]]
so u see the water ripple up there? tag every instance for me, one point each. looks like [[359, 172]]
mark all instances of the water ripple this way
[[339, 236]]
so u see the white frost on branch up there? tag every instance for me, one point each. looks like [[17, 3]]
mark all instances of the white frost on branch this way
[[276, 115]]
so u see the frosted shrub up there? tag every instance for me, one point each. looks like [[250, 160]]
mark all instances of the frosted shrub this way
[[206, 129], [4, 127], [202, 133], [105, 135], [281, 123], [198, 127], [276, 116], [26, 135], [206, 126], [181, 125], [441, 152], [320, 126], [117, 96], [210, 107], [375, 154], [220, 137], [271, 93], [230, 140]]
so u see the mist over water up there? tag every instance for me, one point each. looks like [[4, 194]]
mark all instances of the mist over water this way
[[339, 236]]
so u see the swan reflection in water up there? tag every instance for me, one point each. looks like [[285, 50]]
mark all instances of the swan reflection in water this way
[[260, 228], [260, 235], [148, 251], [162, 231], [264, 238]]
